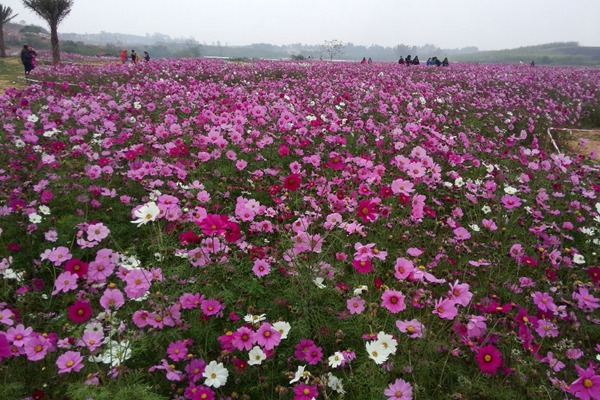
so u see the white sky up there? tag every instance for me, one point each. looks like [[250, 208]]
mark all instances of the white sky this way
[[487, 24]]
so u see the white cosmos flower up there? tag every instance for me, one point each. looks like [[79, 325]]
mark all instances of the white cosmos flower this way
[[377, 351], [510, 190], [256, 356], [32, 118], [578, 259], [216, 374], [44, 210], [388, 342], [283, 328], [486, 209], [318, 281], [300, 374], [336, 359], [147, 212], [334, 383], [35, 218], [255, 319]]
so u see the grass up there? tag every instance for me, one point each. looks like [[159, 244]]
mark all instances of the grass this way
[[11, 73]]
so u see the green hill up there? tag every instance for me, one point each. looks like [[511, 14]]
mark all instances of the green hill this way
[[563, 53]]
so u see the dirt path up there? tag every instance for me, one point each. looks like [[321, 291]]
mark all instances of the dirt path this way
[[580, 141]]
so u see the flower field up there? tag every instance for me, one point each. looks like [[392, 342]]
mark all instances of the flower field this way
[[201, 229]]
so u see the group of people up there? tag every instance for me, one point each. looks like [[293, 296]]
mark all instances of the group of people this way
[[134, 57], [28, 58], [364, 61], [430, 61]]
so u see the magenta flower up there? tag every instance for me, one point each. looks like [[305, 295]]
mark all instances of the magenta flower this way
[[211, 307], [80, 311], [399, 390], [6, 317], [76, 267], [587, 385], [71, 361], [243, 338], [5, 351], [489, 359], [177, 351], [461, 233], [267, 336], [194, 369], [16, 335], [303, 391], [138, 282], [393, 300], [355, 305], [403, 268], [459, 292]]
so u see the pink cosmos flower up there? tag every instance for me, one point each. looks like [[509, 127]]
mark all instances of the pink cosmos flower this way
[[393, 300], [413, 327], [445, 308], [585, 300], [459, 292], [261, 268], [546, 328], [461, 233], [36, 346], [303, 391], [65, 282], [510, 201], [194, 369], [544, 302], [138, 282], [6, 317], [59, 255], [363, 266], [97, 232], [403, 268], [17, 335], [92, 340], [489, 359], [71, 361], [213, 224], [399, 390], [243, 338], [177, 350], [267, 336], [554, 363], [112, 299], [355, 305], [194, 392], [587, 385], [211, 307]]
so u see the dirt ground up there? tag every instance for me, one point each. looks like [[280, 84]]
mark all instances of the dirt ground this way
[[579, 142]]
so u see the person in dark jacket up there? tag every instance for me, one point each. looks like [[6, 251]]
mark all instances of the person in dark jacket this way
[[146, 56], [27, 59]]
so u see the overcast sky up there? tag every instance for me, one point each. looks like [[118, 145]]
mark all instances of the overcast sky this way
[[486, 24]]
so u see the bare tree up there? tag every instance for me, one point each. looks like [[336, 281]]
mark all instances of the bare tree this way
[[6, 14], [53, 12], [333, 48]]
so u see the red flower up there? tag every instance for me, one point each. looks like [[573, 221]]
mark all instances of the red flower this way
[[292, 182], [489, 359], [366, 210], [80, 311]]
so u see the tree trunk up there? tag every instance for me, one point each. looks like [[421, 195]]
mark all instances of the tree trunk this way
[[2, 48], [54, 43]]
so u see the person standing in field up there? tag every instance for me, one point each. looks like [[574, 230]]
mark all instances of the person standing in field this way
[[27, 59], [123, 56], [146, 56], [133, 56], [33, 57]]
